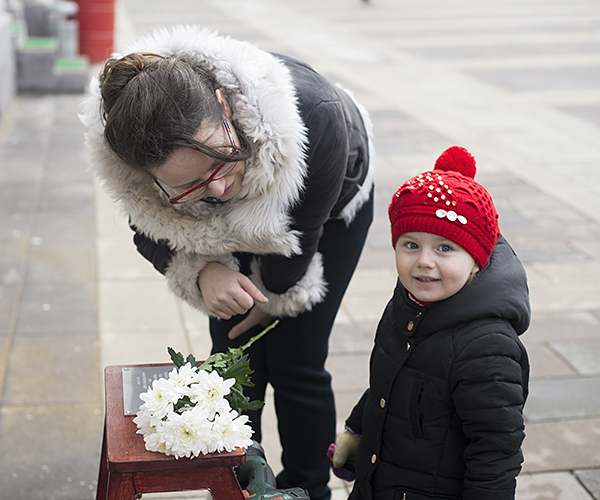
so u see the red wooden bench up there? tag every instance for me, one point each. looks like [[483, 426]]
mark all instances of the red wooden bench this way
[[128, 470]]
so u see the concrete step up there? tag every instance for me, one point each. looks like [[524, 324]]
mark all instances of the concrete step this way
[[39, 70]]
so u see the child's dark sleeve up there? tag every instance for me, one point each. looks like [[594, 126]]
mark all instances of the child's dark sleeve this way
[[489, 383]]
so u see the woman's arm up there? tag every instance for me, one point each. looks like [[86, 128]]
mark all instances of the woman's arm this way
[[221, 290], [159, 253], [327, 162]]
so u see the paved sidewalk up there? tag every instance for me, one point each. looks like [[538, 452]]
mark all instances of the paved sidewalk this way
[[517, 83]]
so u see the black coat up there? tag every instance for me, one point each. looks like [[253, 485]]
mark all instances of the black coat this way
[[443, 416]]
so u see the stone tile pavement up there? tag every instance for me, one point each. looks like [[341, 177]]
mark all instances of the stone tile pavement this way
[[516, 82]]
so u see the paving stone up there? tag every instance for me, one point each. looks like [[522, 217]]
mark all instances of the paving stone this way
[[17, 196], [587, 245], [26, 145], [61, 264], [547, 296], [4, 354], [66, 228], [14, 170], [124, 347], [150, 305], [50, 452], [66, 146], [577, 78], [379, 240], [544, 362], [563, 399], [117, 259], [591, 480], [10, 274], [562, 445], [550, 486], [71, 197], [57, 308], [375, 258], [485, 52], [534, 251], [349, 371], [352, 338], [590, 112], [512, 218], [563, 325], [59, 369], [584, 357], [574, 235], [571, 273], [15, 228], [400, 134], [345, 401], [6, 309]]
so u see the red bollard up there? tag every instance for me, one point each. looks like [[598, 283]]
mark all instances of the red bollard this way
[[96, 28]]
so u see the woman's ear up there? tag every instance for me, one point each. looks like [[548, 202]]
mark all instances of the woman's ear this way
[[223, 102]]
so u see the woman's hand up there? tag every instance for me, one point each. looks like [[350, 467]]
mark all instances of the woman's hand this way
[[227, 292], [255, 317]]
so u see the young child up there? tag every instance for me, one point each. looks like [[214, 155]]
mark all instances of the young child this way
[[443, 416]]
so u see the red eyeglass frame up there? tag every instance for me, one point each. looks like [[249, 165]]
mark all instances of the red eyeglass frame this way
[[174, 200]]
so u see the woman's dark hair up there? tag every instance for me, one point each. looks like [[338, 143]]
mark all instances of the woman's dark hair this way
[[152, 105]]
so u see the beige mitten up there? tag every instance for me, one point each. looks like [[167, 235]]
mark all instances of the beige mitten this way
[[345, 449]]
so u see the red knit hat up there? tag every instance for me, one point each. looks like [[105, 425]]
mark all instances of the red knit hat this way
[[448, 202]]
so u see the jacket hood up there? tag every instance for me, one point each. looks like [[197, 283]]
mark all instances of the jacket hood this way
[[261, 94], [499, 290]]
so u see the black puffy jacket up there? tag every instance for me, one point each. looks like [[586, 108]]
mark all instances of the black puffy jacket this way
[[443, 416]]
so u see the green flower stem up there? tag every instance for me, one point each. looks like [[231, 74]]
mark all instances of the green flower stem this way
[[261, 334]]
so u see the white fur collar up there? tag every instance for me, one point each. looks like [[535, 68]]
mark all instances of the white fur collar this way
[[261, 93]]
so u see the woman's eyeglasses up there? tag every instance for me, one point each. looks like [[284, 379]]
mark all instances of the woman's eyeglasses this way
[[223, 170]]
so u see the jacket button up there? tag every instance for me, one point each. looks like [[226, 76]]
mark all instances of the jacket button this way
[[407, 346], [374, 458], [410, 325], [419, 314], [382, 403]]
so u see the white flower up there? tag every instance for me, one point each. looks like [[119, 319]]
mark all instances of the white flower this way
[[233, 430], [159, 399], [205, 424], [143, 421], [183, 377], [155, 442], [185, 435], [210, 392]]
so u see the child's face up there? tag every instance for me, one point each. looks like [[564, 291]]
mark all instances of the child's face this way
[[431, 267]]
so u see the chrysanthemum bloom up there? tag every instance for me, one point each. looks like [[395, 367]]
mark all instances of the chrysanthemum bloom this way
[[232, 430], [210, 392], [186, 434], [159, 399], [183, 377]]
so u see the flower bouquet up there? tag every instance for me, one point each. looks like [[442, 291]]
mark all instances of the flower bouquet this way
[[198, 408]]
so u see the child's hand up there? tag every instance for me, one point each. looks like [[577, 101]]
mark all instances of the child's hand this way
[[342, 456], [345, 449]]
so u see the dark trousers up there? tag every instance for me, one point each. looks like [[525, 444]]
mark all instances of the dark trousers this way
[[292, 359]]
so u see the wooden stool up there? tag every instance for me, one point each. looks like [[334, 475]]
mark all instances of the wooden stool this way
[[127, 469]]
